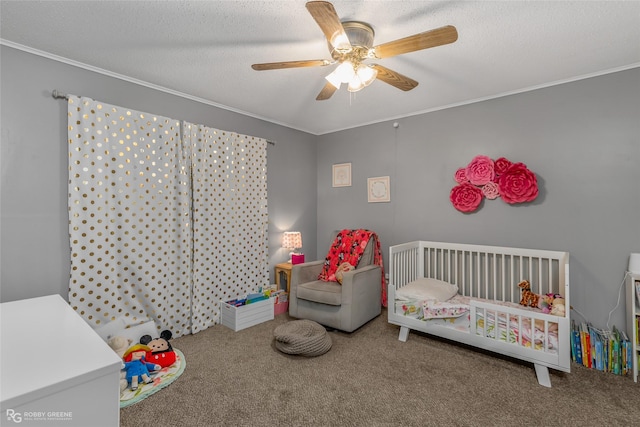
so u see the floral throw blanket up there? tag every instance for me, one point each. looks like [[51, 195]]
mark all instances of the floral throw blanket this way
[[349, 246]]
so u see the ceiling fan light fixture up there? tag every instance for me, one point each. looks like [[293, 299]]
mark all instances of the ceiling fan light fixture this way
[[366, 74], [355, 84], [340, 42], [334, 79], [345, 71]]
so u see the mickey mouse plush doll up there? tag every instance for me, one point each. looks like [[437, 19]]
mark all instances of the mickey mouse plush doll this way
[[161, 352]]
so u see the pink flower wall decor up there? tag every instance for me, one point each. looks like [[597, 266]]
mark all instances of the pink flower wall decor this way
[[466, 197], [518, 184], [480, 170], [490, 190], [501, 165], [484, 177], [461, 175]]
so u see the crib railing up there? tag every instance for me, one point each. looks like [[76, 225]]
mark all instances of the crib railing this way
[[484, 272]]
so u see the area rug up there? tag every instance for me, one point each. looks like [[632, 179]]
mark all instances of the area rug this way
[[161, 379]]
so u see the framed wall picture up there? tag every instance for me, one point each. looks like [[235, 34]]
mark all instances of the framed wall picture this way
[[378, 189], [342, 175]]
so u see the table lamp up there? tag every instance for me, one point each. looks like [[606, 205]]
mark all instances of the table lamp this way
[[293, 240]]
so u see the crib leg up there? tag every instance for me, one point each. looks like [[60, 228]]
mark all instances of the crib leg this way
[[542, 372], [404, 334]]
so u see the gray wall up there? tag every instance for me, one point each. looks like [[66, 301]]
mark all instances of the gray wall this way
[[35, 255], [582, 139]]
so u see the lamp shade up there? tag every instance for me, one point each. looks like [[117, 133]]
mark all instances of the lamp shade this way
[[292, 240]]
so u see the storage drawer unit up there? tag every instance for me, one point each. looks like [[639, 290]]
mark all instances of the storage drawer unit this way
[[71, 378], [245, 316]]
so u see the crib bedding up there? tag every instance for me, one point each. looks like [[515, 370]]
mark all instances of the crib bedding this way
[[517, 331], [424, 309], [455, 313]]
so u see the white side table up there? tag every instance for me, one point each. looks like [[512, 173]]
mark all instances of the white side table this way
[[55, 369]]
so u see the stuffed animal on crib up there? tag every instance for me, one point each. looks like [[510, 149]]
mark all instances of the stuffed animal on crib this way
[[558, 307], [136, 366], [529, 299], [161, 352], [544, 303]]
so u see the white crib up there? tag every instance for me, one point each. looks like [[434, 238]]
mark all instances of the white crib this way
[[489, 276]]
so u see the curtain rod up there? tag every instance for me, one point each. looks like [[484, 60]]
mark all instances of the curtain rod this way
[[59, 95], [56, 94]]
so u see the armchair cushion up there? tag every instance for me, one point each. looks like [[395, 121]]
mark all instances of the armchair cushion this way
[[322, 292]]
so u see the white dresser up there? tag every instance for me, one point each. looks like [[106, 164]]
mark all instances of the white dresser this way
[[54, 369]]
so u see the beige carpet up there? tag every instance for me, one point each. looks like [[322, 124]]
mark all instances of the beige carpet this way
[[369, 378]]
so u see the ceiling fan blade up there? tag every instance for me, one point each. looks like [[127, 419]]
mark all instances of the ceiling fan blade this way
[[438, 37], [291, 64], [327, 92], [327, 19], [394, 79]]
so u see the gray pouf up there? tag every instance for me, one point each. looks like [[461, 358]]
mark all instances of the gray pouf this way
[[302, 337]]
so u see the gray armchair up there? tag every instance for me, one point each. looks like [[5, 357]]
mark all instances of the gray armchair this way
[[345, 307]]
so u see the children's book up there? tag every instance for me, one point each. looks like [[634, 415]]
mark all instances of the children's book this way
[[626, 353], [576, 347], [586, 345], [616, 355], [596, 344]]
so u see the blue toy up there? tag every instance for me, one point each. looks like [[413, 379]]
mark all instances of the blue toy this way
[[136, 367]]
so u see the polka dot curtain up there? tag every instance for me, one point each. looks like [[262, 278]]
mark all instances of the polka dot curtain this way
[[229, 184], [153, 235]]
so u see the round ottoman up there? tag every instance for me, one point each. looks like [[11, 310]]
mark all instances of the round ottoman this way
[[302, 337]]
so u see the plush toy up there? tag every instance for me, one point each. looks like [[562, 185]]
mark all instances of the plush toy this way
[[136, 366], [544, 303], [558, 307], [120, 345], [528, 298], [343, 268], [161, 353]]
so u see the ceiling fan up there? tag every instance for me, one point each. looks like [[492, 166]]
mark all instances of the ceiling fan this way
[[351, 44]]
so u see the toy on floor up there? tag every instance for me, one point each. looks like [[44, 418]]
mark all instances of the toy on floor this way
[[529, 299], [136, 366], [120, 345], [161, 352]]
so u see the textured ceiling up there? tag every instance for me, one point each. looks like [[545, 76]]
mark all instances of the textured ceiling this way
[[204, 50]]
